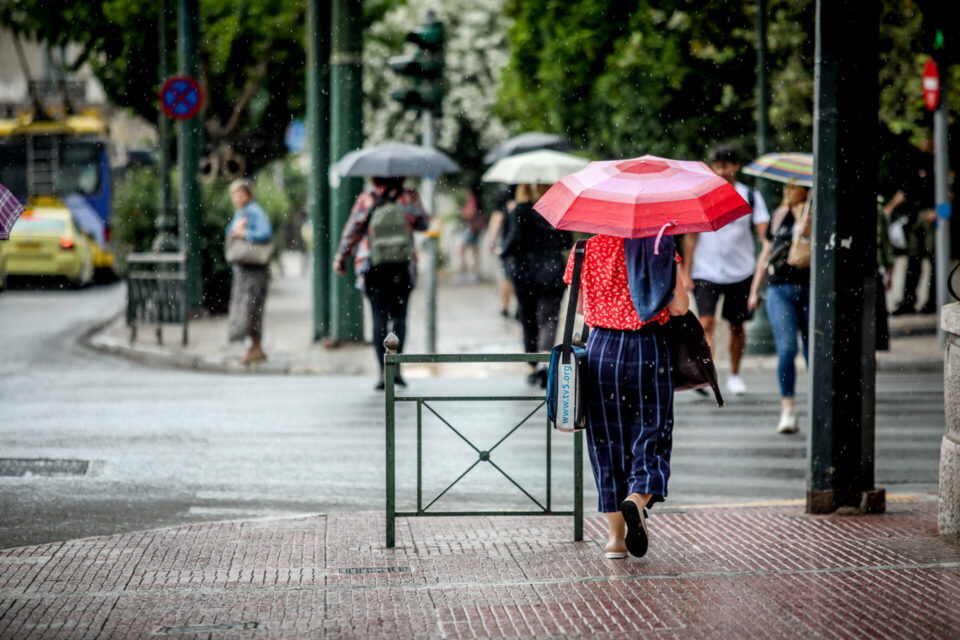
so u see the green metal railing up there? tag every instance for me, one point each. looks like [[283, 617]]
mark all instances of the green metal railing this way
[[157, 291], [391, 361]]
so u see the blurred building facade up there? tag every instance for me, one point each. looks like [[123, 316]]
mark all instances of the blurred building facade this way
[[81, 88]]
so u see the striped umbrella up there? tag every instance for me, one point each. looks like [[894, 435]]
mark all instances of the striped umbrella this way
[[642, 197], [796, 168], [10, 210]]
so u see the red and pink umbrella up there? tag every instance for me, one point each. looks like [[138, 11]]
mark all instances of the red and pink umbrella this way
[[642, 197]]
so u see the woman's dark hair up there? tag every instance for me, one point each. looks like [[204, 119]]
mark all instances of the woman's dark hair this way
[[392, 183], [725, 153], [392, 186]]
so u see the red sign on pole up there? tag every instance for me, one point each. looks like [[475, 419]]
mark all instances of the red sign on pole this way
[[181, 97], [931, 85]]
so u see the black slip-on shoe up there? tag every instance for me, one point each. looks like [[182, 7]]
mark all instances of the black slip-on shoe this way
[[636, 539]]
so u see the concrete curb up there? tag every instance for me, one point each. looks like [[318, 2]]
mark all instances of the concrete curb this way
[[96, 338], [161, 357]]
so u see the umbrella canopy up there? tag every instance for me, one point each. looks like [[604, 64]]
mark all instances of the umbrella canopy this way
[[394, 159], [642, 197], [10, 210], [535, 167], [86, 218], [783, 167], [530, 141]]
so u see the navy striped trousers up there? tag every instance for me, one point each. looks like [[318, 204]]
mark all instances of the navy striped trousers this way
[[630, 413]]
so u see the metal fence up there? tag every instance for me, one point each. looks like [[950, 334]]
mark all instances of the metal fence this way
[[483, 455], [157, 291]]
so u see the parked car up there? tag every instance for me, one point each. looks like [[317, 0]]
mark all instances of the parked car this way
[[46, 242]]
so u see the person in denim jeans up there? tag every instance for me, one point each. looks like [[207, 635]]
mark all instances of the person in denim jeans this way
[[788, 298]]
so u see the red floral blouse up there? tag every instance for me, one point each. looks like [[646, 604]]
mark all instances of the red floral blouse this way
[[604, 286]]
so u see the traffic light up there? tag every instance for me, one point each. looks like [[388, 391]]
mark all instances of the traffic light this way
[[938, 32], [424, 66]]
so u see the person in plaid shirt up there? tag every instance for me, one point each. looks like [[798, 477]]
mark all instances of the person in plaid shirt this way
[[387, 286]]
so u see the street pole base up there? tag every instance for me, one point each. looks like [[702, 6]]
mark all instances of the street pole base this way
[[820, 502], [823, 502], [873, 501]]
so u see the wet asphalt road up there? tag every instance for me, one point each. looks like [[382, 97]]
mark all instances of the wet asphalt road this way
[[154, 447]]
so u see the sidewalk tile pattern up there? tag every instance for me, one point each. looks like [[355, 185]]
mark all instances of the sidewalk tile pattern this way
[[710, 573]]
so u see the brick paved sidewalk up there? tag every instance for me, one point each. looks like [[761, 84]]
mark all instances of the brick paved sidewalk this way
[[711, 573]]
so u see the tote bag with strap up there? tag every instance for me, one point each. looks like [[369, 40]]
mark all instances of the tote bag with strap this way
[[799, 254], [239, 251], [690, 355], [566, 377]]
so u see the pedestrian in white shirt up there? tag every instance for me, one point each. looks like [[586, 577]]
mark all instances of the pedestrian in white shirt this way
[[721, 263]]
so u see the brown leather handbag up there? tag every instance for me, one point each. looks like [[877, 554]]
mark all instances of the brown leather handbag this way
[[690, 355], [799, 254]]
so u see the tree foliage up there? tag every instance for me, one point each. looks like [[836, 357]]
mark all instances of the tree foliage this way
[[251, 53], [474, 53], [674, 78], [629, 78]]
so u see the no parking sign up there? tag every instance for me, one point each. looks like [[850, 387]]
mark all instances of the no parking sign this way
[[181, 97]]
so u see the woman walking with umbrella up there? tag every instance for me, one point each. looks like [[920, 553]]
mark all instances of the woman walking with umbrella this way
[[628, 290], [379, 236], [536, 250], [379, 232], [786, 272], [788, 295]]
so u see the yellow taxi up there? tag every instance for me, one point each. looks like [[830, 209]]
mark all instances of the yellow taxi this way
[[46, 242]]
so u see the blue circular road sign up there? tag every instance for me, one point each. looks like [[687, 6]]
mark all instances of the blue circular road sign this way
[[181, 97]]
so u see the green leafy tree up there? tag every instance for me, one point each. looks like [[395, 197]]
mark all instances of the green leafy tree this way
[[790, 60], [251, 53], [628, 78], [474, 52], [135, 206], [673, 78]]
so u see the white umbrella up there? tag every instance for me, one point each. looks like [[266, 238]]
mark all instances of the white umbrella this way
[[535, 167]]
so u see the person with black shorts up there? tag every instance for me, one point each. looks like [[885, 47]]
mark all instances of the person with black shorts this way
[[721, 264]]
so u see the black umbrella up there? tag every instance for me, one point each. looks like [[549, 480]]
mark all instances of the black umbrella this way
[[530, 141], [392, 159]]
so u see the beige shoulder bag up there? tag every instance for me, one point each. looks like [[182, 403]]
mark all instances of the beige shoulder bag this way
[[799, 255]]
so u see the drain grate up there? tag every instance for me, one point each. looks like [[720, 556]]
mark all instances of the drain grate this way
[[206, 628], [19, 467], [358, 570]]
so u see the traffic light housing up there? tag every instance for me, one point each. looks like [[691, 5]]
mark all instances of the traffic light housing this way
[[938, 33], [424, 67]]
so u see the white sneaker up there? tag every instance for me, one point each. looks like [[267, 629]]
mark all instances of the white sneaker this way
[[788, 422], [736, 385]]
